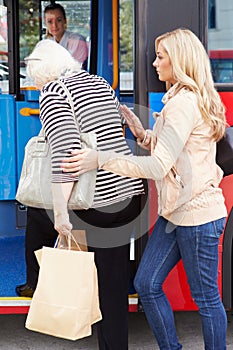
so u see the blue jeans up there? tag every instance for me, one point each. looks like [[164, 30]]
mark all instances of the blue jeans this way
[[197, 246]]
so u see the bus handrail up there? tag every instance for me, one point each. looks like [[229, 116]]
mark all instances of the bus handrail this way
[[27, 111], [115, 43]]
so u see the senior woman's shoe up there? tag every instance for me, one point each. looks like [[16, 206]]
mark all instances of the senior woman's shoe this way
[[24, 290]]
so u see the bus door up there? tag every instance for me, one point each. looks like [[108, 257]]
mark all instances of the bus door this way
[[220, 48], [20, 29], [18, 122]]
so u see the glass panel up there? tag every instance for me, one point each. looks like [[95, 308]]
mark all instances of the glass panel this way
[[77, 14], [32, 26], [29, 33], [77, 22], [126, 45], [212, 14], [220, 40], [4, 85]]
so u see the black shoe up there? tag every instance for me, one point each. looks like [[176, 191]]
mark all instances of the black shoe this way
[[24, 290]]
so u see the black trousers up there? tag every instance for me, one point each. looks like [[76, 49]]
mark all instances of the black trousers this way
[[108, 232]]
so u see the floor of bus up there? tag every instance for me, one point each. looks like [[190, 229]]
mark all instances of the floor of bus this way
[[12, 264]]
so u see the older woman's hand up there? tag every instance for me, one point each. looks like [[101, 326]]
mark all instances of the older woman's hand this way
[[80, 161], [62, 224]]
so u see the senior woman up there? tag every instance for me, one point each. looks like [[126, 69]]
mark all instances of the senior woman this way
[[109, 223]]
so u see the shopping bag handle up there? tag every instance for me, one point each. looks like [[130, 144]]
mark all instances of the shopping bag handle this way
[[64, 242]]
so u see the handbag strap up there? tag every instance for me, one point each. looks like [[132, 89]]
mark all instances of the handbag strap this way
[[42, 133], [71, 102]]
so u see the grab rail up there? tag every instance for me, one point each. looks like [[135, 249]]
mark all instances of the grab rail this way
[[115, 37]]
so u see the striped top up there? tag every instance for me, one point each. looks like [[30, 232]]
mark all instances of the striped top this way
[[97, 109]]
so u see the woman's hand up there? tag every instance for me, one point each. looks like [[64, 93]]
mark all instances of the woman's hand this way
[[133, 122], [80, 161], [62, 224], [143, 136]]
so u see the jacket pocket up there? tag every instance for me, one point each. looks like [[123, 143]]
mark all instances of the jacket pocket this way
[[171, 191]]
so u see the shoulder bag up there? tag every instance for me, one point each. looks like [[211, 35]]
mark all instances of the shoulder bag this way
[[224, 155], [34, 187]]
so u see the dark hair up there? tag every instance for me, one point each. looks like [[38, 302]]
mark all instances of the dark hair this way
[[55, 6]]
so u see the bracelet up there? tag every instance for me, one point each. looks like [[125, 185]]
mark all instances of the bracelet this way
[[145, 137]]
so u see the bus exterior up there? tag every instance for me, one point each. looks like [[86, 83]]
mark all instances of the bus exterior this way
[[116, 32], [222, 65], [222, 70]]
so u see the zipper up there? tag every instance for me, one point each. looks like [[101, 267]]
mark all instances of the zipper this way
[[177, 177]]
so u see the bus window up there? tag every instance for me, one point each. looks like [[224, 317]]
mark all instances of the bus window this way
[[78, 20], [3, 49], [126, 45], [77, 13], [29, 29], [32, 28], [29, 24], [222, 65], [220, 40]]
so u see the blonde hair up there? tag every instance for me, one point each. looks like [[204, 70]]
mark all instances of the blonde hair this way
[[49, 61], [192, 70]]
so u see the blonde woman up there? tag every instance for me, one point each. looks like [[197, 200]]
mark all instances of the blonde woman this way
[[191, 205]]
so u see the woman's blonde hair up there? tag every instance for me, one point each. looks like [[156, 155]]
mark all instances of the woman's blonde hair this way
[[49, 61], [192, 70]]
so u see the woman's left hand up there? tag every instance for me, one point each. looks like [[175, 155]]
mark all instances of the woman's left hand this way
[[62, 224], [80, 161]]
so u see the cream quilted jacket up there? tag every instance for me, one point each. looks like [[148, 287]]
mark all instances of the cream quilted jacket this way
[[182, 163]]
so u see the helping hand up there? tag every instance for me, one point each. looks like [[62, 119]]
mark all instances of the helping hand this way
[[81, 161], [133, 122]]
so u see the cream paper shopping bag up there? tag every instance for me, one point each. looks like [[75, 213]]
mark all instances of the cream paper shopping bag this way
[[65, 303]]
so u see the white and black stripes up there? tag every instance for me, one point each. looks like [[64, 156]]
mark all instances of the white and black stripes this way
[[97, 109]]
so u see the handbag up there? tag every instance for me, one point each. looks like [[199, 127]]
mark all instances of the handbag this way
[[65, 303], [34, 187], [224, 154]]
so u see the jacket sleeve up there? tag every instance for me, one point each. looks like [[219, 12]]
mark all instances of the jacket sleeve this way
[[130, 166], [178, 125]]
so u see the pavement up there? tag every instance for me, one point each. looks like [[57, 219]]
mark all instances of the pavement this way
[[14, 336]]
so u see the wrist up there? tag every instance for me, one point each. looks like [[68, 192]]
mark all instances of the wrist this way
[[58, 213], [147, 138]]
